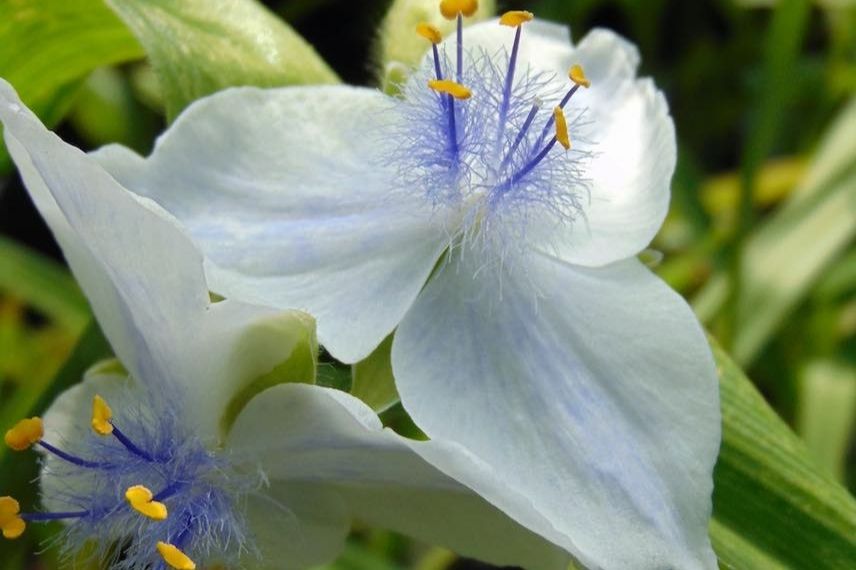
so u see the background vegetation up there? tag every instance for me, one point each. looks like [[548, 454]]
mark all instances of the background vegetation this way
[[759, 239]]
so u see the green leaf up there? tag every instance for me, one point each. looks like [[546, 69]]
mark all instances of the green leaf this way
[[373, 382], [789, 252], [48, 46], [772, 506], [199, 47], [42, 283], [827, 412], [399, 47], [782, 44]]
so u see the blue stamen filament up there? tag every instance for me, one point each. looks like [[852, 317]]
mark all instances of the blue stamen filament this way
[[130, 446], [509, 83], [460, 54], [48, 517], [562, 104], [453, 129], [438, 70], [530, 118], [169, 491], [73, 459], [530, 166]]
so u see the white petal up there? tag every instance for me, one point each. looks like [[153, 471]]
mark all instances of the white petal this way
[[544, 47], [595, 397], [143, 276], [332, 443], [627, 128], [295, 526], [289, 196]]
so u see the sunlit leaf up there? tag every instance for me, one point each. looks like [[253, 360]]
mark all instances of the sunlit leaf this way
[[199, 47], [773, 508], [828, 412], [786, 255], [48, 46]]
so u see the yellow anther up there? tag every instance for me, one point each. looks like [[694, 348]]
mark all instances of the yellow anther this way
[[142, 500], [25, 434], [451, 8], [578, 76], [11, 523], [516, 18], [561, 128], [429, 32], [448, 87], [101, 414], [175, 557]]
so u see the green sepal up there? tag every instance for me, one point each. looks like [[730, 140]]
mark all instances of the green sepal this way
[[372, 380], [290, 336]]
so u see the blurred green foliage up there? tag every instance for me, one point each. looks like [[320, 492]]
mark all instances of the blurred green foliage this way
[[760, 236]]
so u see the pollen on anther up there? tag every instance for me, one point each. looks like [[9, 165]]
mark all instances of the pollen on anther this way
[[561, 128], [175, 557], [451, 8], [11, 523], [578, 76], [452, 88], [142, 500], [25, 434], [429, 32], [515, 18], [101, 415]]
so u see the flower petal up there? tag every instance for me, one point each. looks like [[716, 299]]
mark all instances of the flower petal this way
[[595, 395], [330, 442], [287, 193], [544, 46], [626, 129], [295, 526], [143, 276]]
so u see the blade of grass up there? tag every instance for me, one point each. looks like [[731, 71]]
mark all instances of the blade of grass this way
[[42, 283]]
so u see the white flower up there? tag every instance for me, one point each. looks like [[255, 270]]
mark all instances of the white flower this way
[[186, 460]]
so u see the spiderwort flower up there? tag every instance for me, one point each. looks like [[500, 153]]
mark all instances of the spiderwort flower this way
[[525, 330], [190, 459]]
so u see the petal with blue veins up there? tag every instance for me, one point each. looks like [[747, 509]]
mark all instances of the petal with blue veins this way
[[592, 390], [293, 198], [143, 276], [330, 444]]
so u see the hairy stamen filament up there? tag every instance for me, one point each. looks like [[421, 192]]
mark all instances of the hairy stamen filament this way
[[514, 19], [460, 54], [48, 517], [530, 118], [530, 166], [130, 446], [68, 457], [169, 491]]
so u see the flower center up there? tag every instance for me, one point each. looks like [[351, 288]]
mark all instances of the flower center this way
[[481, 141], [149, 494]]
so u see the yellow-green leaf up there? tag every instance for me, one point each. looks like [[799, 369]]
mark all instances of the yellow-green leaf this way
[[198, 47]]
